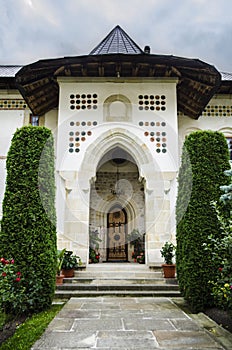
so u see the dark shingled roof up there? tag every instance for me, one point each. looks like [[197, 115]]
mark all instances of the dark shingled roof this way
[[117, 41], [226, 76], [9, 71]]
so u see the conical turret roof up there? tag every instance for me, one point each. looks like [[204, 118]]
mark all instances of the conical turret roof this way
[[117, 41]]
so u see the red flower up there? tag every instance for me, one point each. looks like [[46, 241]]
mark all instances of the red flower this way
[[4, 274], [12, 261], [3, 260], [18, 273], [220, 269], [17, 279]]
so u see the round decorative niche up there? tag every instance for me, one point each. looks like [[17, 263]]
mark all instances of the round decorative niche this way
[[83, 101], [217, 111], [12, 104], [157, 135], [80, 135], [152, 102]]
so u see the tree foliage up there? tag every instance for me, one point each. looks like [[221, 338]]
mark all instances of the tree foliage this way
[[221, 247], [28, 233], [205, 158]]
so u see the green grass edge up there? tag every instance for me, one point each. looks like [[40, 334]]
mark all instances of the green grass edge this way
[[31, 330]]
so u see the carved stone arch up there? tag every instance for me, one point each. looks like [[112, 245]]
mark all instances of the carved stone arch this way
[[190, 130], [108, 140], [130, 208], [117, 108], [227, 131]]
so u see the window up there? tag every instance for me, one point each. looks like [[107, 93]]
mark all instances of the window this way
[[229, 142], [34, 120]]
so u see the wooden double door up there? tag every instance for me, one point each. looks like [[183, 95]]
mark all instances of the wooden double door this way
[[117, 247]]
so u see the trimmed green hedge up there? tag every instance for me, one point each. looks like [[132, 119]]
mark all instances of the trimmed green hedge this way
[[205, 157], [28, 227]]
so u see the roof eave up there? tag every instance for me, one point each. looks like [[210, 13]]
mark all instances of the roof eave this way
[[198, 81]]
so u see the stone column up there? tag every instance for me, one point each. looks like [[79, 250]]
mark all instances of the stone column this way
[[75, 235], [158, 217]]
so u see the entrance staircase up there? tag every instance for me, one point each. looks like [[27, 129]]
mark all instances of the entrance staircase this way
[[118, 279]]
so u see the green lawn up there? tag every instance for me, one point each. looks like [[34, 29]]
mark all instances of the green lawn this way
[[29, 331]]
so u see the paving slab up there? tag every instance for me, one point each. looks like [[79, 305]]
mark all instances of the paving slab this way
[[173, 339], [113, 323]]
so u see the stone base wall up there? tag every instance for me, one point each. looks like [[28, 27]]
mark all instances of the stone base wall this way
[[148, 210]]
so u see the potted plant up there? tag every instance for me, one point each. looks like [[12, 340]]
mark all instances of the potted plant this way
[[94, 241], [93, 256], [59, 262], [134, 256], [141, 258], [70, 263], [168, 253], [136, 240]]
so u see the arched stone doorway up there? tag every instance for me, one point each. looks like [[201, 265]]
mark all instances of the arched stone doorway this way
[[116, 204], [81, 213]]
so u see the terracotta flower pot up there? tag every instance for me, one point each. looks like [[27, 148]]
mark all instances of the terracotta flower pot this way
[[169, 270], [59, 279], [68, 273]]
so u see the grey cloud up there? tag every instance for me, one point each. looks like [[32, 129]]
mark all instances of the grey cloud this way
[[55, 28]]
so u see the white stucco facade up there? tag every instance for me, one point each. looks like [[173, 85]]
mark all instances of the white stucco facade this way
[[117, 122], [115, 133]]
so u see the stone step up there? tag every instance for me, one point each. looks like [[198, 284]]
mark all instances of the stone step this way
[[66, 294], [118, 287], [119, 267], [117, 275], [123, 279], [118, 271], [120, 280]]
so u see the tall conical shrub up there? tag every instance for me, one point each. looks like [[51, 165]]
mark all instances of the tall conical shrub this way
[[28, 227], [205, 157]]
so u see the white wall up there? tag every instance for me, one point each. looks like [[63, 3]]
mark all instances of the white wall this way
[[110, 124], [217, 121], [129, 90], [9, 122]]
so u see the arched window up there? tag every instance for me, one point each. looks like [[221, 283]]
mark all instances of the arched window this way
[[229, 142], [228, 135], [34, 120], [117, 108]]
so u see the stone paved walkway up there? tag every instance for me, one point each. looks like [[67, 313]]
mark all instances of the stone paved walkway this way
[[130, 323]]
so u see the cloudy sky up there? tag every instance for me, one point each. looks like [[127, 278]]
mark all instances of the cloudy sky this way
[[35, 29]]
